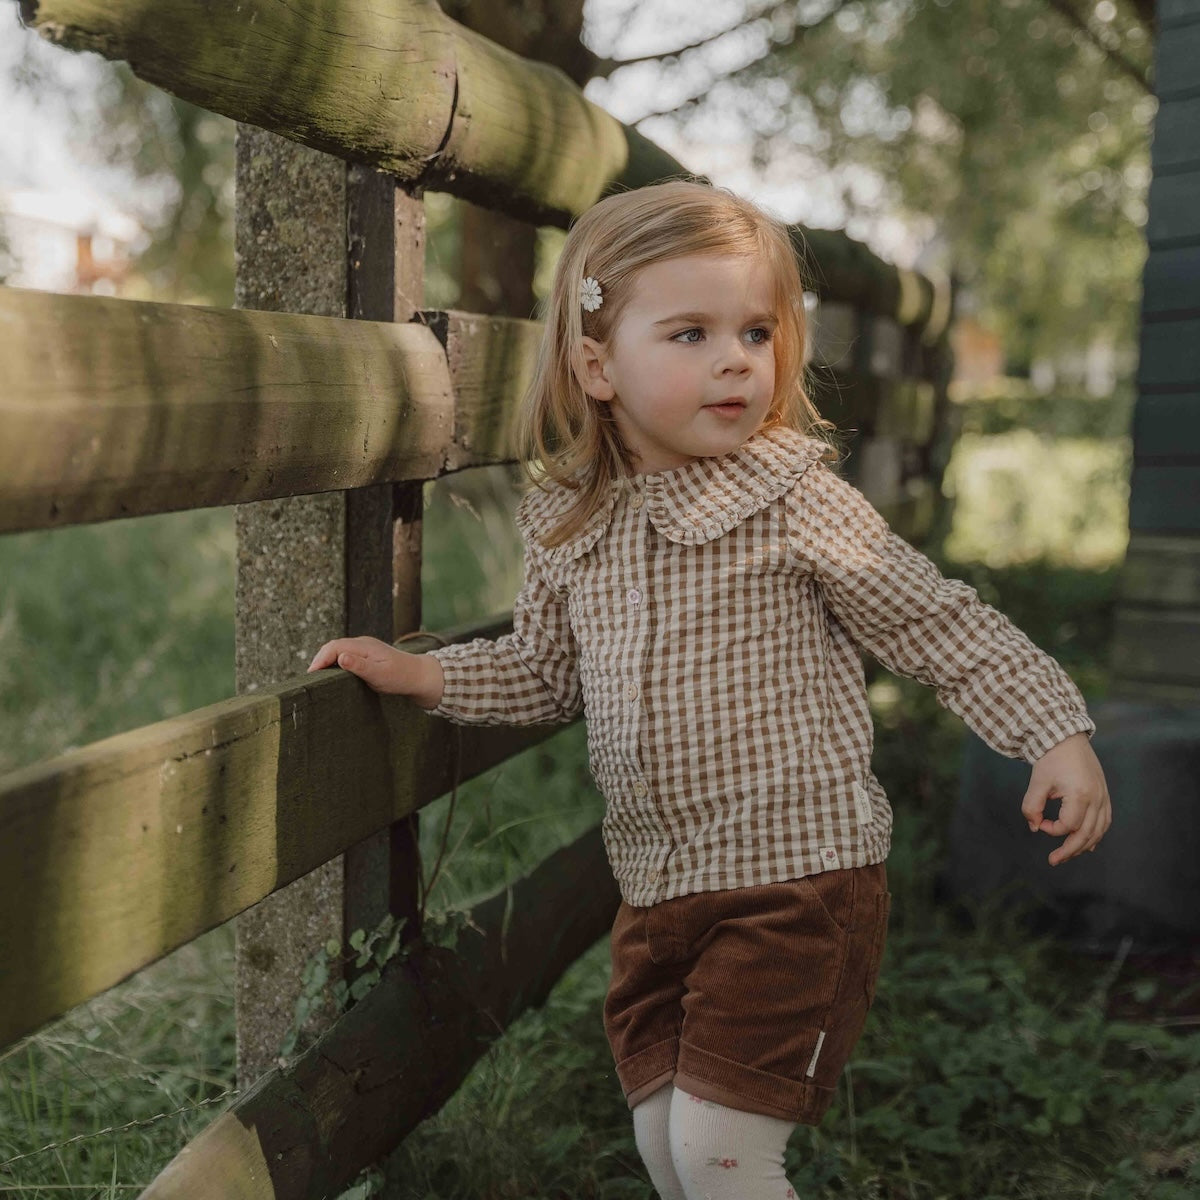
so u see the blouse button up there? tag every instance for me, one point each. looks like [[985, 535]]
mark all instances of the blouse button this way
[[633, 596], [636, 500], [631, 692], [640, 788]]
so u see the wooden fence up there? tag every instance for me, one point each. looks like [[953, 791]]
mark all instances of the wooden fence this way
[[320, 406]]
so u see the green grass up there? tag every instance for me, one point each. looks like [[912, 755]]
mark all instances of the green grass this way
[[161, 1042], [107, 627], [989, 1068]]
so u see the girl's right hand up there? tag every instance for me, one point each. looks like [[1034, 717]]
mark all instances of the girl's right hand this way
[[383, 667]]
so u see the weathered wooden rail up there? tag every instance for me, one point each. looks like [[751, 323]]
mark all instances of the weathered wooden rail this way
[[322, 429], [401, 1052], [254, 405], [119, 852]]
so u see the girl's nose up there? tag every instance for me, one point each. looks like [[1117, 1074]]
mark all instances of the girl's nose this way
[[733, 358]]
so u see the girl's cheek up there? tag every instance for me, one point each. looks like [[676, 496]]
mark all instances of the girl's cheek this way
[[678, 368]]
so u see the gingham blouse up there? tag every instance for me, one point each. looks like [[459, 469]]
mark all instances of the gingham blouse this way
[[708, 621]]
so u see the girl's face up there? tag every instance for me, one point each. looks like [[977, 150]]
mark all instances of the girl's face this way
[[690, 368]]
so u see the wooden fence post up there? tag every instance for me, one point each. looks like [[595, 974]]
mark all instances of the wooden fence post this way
[[314, 236], [386, 227]]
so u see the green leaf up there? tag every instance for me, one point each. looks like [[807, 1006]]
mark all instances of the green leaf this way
[[387, 951], [363, 984], [320, 974]]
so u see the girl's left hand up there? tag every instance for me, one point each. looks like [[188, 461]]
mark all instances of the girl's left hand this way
[[1071, 771]]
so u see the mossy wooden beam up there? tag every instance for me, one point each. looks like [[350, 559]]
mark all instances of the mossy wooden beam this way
[[492, 361], [114, 408], [149, 408], [399, 1054], [404, 88], [837, 268], [116, 853], [398, 86]]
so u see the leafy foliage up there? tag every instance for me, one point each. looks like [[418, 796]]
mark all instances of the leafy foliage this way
[[1016, 405], [333, 979], [183, 154], [1031, 503], [327, 983], [999, 130], [173, 160]]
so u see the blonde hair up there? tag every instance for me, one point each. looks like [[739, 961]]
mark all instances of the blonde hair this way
[[560, 427]]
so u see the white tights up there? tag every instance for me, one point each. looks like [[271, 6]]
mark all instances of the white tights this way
[[697, 1150]]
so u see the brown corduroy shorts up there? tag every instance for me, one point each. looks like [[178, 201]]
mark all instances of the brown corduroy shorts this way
[[752, 997]]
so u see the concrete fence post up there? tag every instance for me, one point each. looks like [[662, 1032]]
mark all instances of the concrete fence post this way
[[318, 237]]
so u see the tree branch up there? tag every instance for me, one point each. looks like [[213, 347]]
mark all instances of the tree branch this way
[[800, 30], [1065, 9], [606, 66]]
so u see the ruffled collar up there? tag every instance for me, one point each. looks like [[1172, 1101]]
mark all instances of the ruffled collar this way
[[695, 503]]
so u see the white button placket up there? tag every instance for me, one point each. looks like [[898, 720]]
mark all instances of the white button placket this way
[[636, 617]]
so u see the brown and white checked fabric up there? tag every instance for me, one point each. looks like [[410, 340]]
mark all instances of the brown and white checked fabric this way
[[707, 621]]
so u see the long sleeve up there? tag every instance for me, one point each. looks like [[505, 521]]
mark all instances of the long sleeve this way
[[527, 677], [896, 605]]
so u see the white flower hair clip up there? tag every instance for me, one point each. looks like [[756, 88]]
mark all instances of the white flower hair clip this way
[[589, 294]]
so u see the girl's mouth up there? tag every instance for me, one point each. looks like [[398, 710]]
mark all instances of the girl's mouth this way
[[730, 408]]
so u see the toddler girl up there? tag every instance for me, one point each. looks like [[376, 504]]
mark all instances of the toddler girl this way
[[700, 582]]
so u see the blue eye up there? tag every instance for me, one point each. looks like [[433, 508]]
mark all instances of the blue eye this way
[[760, 335]]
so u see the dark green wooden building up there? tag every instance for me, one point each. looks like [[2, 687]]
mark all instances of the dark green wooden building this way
[[1144, 880]]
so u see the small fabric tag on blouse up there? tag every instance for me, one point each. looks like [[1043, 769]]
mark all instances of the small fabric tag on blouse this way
[[862, 805]]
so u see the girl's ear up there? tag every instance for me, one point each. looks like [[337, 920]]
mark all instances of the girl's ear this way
[[593, 376]]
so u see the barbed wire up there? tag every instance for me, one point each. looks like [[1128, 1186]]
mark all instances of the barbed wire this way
[[141, 1124]]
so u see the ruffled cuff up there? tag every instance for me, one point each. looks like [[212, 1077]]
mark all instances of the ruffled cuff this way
[[1049, 735], [450, 705]]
